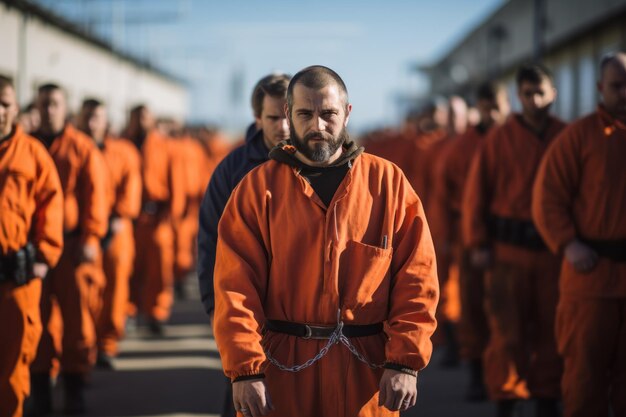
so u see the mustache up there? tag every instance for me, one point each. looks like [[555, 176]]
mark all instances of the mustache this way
[[318, 135]]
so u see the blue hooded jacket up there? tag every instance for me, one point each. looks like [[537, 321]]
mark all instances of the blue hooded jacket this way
[[223, 181]]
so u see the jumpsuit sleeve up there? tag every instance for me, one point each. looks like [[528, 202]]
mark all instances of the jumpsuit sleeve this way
[[554, 192], [94, 216], [47, 228], [176, 183], [475, 200], [241, 273], [440, 216], [128, 194], [414, 285]]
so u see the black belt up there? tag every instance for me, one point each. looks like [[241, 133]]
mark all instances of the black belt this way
[[308, 331], [70, 234], [516, 232], [614, 250], [154, 207], [18, 266]]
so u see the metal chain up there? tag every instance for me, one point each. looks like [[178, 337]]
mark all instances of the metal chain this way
[[335, 338], [346, 342]]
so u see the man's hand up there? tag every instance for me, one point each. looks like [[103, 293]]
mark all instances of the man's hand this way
[[581, 256], [480, 257], [40, 270], [88, 253], [117, 225], [398, 391], [251, 398]]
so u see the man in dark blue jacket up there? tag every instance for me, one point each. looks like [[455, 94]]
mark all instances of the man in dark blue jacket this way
[[270, 127]]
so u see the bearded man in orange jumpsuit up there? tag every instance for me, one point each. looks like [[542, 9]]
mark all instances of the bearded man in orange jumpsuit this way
[[493, 106], [78, 277], [118, 246], [163, 204], [31, 241], [579, 204], [324, 245], [521, 285]]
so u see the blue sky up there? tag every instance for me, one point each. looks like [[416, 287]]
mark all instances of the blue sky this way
[[216, 45]]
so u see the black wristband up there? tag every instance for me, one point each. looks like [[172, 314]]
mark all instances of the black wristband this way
[[400, 368], [248, 377]]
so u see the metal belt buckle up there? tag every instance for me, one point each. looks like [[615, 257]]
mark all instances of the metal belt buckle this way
[[309, 332]]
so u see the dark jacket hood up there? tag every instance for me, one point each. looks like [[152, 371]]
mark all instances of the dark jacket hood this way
[[284, 152]]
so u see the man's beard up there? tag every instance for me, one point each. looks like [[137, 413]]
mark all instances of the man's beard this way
[[318, 151]]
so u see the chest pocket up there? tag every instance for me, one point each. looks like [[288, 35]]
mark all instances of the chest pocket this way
[[364, 275], [16, 190]]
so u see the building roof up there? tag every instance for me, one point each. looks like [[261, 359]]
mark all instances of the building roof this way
[[31, 9]]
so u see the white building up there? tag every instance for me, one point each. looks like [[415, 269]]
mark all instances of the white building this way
[[570, 36], [39, 47]]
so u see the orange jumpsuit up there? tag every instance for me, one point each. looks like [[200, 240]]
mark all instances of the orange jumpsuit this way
[[427, 146], [31, 202], [425, 173], [580, 192], [192, 157], [445, 216], [122, 160], [283, 255], [397, 147], [163, 203], [521, 287], [73, 284]]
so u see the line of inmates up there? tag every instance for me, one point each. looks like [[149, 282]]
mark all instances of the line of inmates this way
[[499, 281], [527, 216], [110, 223]]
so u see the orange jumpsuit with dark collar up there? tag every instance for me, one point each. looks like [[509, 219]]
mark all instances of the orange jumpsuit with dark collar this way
[[124, 192], [521, 287], [74, 285], [163, 204], [283, 255], [31, 203], [445, 220], [580, 193]]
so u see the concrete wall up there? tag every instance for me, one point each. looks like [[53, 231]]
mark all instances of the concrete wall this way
[[35, 51], [576, 35]]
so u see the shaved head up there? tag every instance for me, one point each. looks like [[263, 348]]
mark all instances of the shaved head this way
[[317, 77], [612, 84], [615, 60]]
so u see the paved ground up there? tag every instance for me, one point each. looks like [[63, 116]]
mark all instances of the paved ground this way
[[179, 375]]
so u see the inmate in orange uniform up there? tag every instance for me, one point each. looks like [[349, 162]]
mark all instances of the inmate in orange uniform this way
[[123, 163], [273, 212], [492, 105], [397, 147], [163, 203], [31, 202], [445, 216], [73, 284], [192, 156], [521, 286], [323, 245], [580, 194]]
